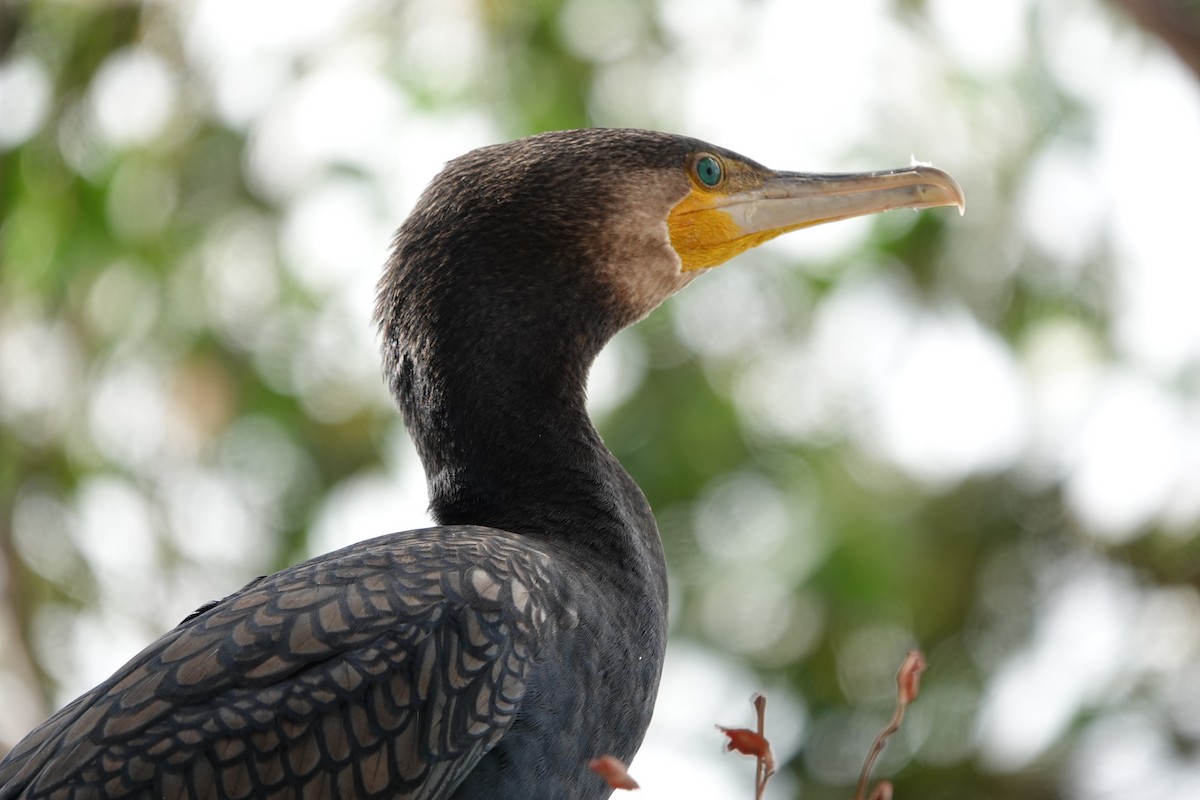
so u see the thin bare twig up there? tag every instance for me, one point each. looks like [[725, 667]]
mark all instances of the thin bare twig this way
[[754, 743], [765, 766], [908, 681]]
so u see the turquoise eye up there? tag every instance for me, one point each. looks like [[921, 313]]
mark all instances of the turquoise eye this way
[[708, 170]]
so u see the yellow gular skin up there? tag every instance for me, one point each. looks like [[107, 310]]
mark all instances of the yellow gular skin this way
[[705, 236]]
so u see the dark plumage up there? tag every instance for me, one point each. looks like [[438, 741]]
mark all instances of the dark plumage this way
[[495, 655]]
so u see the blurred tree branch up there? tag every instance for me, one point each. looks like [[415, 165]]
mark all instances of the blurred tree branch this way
[[1176, 22]]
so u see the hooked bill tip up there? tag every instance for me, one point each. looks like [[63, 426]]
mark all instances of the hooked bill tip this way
[[945, 183]]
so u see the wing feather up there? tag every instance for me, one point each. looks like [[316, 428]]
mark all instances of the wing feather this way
[[386, 669]]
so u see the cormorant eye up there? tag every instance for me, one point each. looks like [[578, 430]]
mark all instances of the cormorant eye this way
[[708, 170]]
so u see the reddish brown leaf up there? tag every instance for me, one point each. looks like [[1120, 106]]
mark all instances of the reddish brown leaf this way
[[615, 774], [744, 740], [750, 743]]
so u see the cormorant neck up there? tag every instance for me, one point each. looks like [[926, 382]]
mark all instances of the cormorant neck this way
[[504, 433], [494, 397]]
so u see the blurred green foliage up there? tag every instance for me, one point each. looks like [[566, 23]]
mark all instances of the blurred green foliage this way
[[106, 269]]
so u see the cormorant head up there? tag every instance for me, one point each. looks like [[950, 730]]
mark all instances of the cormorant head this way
[[599, 226]]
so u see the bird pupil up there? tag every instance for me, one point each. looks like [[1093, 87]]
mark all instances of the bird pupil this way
[[709, 171]]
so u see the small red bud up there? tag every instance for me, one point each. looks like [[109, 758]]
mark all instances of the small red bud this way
[[615, 774], [882, 791], [908, 679]]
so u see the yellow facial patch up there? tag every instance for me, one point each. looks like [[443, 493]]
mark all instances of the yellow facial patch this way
[[704, 235]]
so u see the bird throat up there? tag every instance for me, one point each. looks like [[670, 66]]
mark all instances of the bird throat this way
[[502, 429]]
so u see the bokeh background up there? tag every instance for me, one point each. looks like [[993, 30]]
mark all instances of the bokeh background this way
[[977, 435]]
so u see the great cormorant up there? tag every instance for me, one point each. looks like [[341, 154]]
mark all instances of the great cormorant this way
[[494, 655]]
